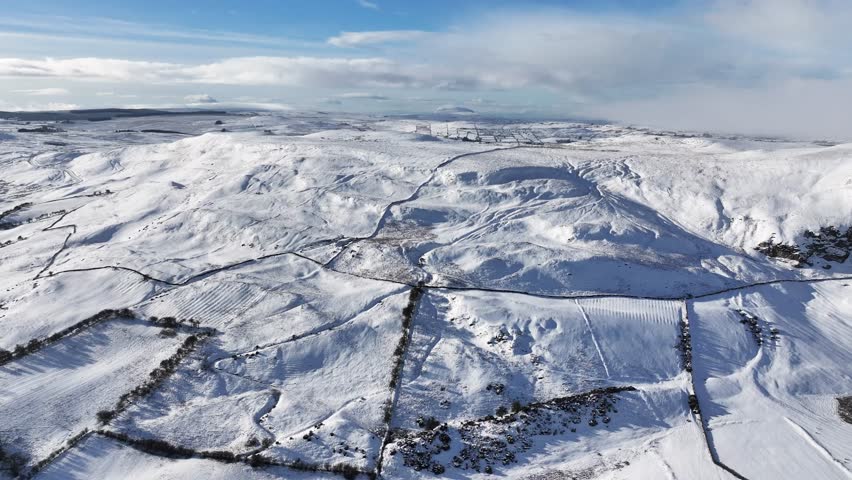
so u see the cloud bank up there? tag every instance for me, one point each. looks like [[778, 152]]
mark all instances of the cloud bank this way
[[782, 64], [44, 92], [363, 96], [200, 98]]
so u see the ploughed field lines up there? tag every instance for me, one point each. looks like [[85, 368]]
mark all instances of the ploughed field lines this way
[[53, 389]]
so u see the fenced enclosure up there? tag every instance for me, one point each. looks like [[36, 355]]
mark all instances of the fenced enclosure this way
[[516, 136], [423, 129]]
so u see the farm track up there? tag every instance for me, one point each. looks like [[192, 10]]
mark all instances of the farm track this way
[[429, 286]]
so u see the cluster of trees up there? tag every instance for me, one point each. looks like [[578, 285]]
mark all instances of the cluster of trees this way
[[753, 325], [152, 446], [685, 346], [166, 449], [9, 242], [166, 368], [46, 460], [38, 343], [387, 410], [407, 318], [13, 462], [16, 208], [844, 408], [172, 322], [41, 129]]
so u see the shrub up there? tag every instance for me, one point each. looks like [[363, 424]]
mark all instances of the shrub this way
[[106, 416], [169, 322], [427, 423], [221, 455], [348, 471], [693, 405]]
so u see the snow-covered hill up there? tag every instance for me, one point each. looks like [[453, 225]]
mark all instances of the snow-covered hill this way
[[312, 295]]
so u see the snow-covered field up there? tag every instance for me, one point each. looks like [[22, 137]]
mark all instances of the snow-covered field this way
[[559, 300]]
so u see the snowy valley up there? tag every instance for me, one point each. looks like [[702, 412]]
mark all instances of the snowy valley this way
[[318, 295]]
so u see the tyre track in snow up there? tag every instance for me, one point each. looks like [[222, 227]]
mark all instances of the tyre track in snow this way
[[594, 338]]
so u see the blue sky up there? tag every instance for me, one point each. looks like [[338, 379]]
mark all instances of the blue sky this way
[[769, 66], [305, 18]]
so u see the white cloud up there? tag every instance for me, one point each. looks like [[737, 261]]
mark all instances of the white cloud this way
[[363, 96], [738, 52], [580, 57], [796, 26], [804, 108], [302, 71], [233, 106], [116, 95], [38, 107], [44, 92], [278, 71], [200, 98], [88, 68], [368, 4], [357, 39]]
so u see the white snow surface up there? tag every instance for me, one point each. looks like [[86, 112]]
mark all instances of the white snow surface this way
[[552, 258]]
